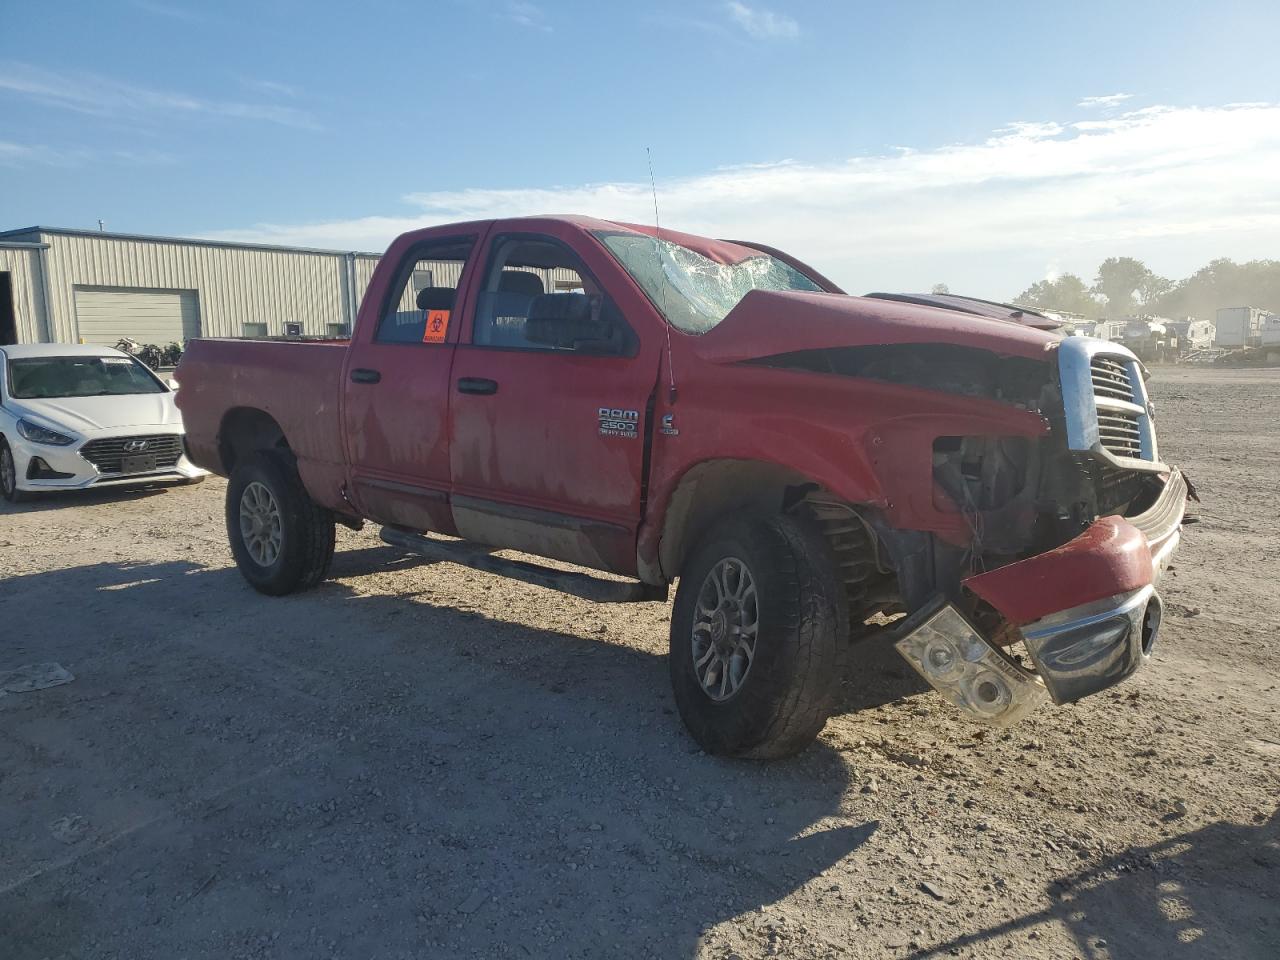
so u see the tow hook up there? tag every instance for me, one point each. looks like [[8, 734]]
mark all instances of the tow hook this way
[[953, 656]]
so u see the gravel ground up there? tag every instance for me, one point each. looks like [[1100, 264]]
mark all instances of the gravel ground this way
[[416, 760]]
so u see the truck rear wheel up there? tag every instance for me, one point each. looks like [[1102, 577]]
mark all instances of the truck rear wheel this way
[[756, 634], [281, 540]]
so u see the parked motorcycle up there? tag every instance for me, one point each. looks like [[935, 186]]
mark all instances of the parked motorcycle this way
[[151, 356], [172, 354]]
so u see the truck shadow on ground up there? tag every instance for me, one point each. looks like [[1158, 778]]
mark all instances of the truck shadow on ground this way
[[1210, 892], [340, 773], [878, 676]]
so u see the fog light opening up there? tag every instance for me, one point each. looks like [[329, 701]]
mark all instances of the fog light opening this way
[[1151, 624], [38, 469]]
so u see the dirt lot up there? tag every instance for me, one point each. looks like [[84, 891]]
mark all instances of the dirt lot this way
[[417, 760]]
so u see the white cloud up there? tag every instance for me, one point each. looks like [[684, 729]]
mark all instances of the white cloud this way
[[761, 23], [168, 10], [270, 87], [1176, 184], [528, 15], [41, 155], [104, 97], [1110, 100]]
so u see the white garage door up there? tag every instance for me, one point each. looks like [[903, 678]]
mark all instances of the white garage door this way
[[148, 316]]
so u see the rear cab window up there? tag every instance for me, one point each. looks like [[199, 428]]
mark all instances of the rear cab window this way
[[420, 309]]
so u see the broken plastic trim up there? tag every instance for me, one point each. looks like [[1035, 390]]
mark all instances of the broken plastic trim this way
[[957, 661]]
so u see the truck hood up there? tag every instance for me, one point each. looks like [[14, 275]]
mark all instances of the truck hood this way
[[766, 323], [88, 415]]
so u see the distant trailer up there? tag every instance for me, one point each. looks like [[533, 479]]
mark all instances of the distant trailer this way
[[1239, 327]]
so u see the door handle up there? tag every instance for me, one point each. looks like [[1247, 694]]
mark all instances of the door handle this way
[[477, 385], [360, 375]]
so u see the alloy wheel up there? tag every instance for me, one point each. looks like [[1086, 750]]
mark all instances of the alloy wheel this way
[[725, 626], [260, 524]]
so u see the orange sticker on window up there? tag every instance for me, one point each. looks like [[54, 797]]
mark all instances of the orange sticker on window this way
[[437, 326]]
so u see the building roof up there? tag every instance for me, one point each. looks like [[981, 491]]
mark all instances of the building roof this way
[[185, 241]]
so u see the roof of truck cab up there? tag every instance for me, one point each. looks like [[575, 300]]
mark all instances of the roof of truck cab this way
[[718, 251]]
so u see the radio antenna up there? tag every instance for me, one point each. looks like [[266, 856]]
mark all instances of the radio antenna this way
[[657, 242]]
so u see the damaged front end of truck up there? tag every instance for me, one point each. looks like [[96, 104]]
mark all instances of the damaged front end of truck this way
[[1028, 565], [1071, 534]]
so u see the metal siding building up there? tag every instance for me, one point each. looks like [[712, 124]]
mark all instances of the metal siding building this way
[[74, 286], [22, 279]]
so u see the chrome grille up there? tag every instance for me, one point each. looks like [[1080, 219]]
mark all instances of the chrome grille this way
[[1111, 378], [1118, 431], [1116, 488], [106, 454], [1105, 403]]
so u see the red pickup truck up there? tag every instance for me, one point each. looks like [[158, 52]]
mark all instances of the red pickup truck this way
[[809, 466]]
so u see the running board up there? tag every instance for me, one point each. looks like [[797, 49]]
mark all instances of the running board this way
[[478, 558]]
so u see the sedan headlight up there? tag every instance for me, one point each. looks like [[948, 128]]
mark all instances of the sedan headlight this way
[[38, 434]]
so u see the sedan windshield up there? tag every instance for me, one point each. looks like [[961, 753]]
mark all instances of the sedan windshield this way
[[51, 378], [694, 292]]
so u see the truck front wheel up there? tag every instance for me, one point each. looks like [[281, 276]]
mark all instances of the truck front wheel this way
[[281, 540], [756, 634]]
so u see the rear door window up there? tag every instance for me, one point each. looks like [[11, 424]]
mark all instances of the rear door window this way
[[421, 307]]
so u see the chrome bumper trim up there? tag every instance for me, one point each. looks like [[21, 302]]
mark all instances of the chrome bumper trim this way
[[1085, 650]]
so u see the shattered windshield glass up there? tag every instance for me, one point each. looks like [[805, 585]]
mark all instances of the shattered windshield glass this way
[[694, 292]]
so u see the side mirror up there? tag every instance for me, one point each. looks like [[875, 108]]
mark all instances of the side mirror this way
[[569, 321]]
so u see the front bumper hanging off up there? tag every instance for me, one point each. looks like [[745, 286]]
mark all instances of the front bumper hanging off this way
[[1088, 611]]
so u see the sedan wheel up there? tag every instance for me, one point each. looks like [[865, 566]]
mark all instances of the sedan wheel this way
[[9, 476]]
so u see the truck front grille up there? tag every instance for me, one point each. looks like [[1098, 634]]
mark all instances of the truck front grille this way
[[1105, 403], [1116, 488], [1119, 432], [1111, 378], [106, 454]]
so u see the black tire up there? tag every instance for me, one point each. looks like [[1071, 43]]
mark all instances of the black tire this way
[[9, 476], [802, 625], [306, 531]]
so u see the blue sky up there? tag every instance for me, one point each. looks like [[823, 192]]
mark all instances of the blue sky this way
[[895, 145]]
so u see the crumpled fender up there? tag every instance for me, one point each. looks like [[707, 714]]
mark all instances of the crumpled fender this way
[[1111, 557]]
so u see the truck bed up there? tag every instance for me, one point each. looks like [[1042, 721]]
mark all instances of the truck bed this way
[[297, 384]]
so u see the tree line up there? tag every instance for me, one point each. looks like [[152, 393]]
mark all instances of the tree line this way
[[1125, 286]]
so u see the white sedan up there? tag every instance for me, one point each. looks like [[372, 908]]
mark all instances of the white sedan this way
[[76, 416]]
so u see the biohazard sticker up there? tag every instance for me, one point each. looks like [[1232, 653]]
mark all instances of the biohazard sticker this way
[[437, 326]]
